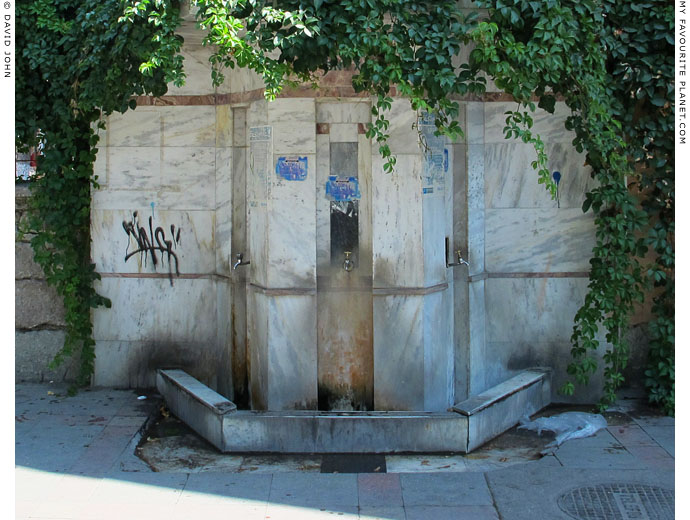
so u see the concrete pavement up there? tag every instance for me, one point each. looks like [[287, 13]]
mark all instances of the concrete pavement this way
[[75, 459]]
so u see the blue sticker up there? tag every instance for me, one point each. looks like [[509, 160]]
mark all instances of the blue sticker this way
[[557, 177], [292, 168], [340, 189], [427, 190], [445, 160]]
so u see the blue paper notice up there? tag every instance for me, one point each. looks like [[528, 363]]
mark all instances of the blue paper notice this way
[[292, 168], [340, 189]]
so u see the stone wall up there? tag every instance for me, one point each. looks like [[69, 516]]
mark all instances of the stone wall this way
[[39, 315]]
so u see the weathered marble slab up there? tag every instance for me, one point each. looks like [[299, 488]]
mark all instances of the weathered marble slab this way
[[397, 222], [438, 351], [477, 338], [343, 133], [323, 204], [225, 125], [511, 182], [132, 167], [292, 370], [551, 127], [195, 250], [239, 133], [532, 310], [294, 138], [404, 138], [538, 240], [257, 338], [190, 171], [343, 112], [474, 132], [223, 217], [196, 67], [291, 110], [291, 240], [399, 353], [188, 125], [433, 236], [151, 310], [140, 127]]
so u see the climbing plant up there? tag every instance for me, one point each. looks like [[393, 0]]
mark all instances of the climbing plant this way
[[538, 52], [80, 60]]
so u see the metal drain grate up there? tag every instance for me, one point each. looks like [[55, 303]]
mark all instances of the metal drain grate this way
[[618, 502]]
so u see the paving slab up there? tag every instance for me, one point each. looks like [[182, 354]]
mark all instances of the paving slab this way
[[238, 488], [445, 489], [449, 512], [382, 513], [663, 435], [317, 490], [379, 490], [531, 491]]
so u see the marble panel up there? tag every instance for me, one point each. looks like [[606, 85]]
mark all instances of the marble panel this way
[[404, 138], [291, 237], [223, 210], [197, 68], [242, 80], [140, 127], [151, 310], [239, 122], [240, 365], [343, 133], [190, 171], [224, 126], [461, 339], [292, 355], [538, 240], [195, 250], [433, 236], [123, 199], [511, 182], [257, 113], [551, 127], [477, 338], [438, 351], [257, 237], [323, 222], [476, 242], [343, 112], [294, 138], [188, 126], [397, 222], [509, 357], [133, 167], [133, 364], [289, 110], [364, 148], [399, 353], [474, 133], [257, 349], [475, 176], [532, 310], [239, 205], [223, 376]]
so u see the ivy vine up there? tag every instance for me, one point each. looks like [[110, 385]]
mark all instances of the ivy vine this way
[[608, 61]]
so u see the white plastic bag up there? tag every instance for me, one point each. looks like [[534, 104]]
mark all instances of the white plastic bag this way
[[566, 426]]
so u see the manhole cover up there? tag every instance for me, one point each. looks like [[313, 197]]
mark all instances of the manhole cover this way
[[618, 502]]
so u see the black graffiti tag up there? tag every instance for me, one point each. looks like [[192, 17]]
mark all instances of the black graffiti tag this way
[[152, 243]]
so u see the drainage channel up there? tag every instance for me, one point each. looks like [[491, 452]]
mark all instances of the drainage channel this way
[[169, 445]]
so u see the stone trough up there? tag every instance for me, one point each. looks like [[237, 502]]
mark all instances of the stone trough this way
[[465, 427]]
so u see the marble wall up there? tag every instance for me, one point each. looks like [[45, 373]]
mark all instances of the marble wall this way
[[207, 161], [536, 250]]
